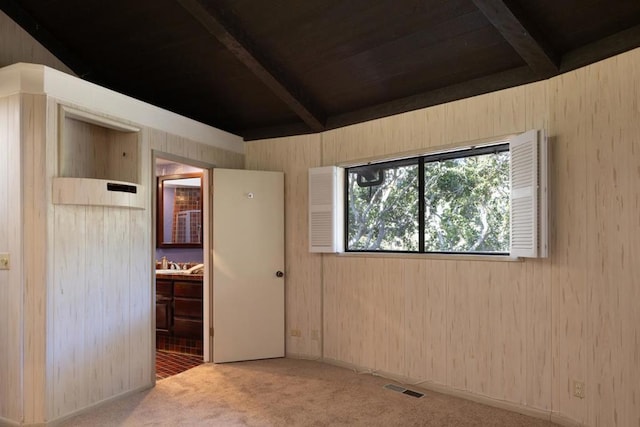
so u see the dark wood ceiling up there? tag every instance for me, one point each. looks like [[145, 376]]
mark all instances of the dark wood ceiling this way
[[266, 68]]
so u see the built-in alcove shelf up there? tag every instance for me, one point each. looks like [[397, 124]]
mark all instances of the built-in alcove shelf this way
[[98, 161], [97, 192]]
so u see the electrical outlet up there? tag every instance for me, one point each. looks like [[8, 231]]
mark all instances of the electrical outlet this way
[[578, 389], [315, 335], [296, 333], [4, 261]]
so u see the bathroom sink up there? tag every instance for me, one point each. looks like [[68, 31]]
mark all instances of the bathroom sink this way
[[168, 271], [196, 269]]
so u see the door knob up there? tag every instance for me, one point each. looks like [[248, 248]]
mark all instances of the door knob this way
[[279, 273]]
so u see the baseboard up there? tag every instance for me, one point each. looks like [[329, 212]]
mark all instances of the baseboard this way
[[564, 421], [58, 421], [8, 423], [440, 388], [303, 357]]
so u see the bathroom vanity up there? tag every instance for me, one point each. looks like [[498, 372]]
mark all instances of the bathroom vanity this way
[[179, 305]]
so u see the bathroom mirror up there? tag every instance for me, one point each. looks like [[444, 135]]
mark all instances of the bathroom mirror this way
[[180, 211]]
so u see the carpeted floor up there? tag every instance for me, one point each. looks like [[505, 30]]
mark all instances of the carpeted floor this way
[[291, 392]]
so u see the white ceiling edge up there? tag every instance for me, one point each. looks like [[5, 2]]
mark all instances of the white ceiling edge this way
[[39, 79]]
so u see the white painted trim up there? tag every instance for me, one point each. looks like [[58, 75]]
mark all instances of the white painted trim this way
[[39, 79], [74, 113], [21, 78], [433, 256], [564, 421]]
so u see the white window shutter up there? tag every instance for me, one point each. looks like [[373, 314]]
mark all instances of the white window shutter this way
[[325, 209], [529, 195]]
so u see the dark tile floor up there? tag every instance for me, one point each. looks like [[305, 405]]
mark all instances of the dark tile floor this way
[[169, 363]]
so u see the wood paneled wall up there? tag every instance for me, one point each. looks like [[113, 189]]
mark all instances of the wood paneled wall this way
[[77, 304], [11, 310], [99, 293], [595, 276], [184, 148], [519, 332], [92, 151], [101, 299]]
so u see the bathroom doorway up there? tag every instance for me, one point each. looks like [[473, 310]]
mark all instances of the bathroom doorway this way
[[181, 295]]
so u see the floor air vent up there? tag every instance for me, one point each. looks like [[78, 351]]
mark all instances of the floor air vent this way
[[403, 390]]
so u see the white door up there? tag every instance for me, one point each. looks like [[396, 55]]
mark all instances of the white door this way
[[248, 262]]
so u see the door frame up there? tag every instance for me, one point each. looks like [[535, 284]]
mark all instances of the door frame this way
[[207, 285]]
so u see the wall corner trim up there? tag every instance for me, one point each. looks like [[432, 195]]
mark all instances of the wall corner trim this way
[[22, 78]]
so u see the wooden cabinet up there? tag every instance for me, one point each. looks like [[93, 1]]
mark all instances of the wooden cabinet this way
[[187, 309], [179, 306], [164, 298]]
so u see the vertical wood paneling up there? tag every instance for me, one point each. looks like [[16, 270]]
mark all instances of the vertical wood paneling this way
[[35, 210], [538, 274], [89, 150], [458, 326], [141, 312], [163, 142], [610, 281], [512, 283], [569, 271], [95, 299], [11, 313], [117, 338], [537, 331], [426, 311], [51, 161], [77, 308], [82, 150], [123, 156], [68, 297], [631, 331], [100, 299], [388, 301]]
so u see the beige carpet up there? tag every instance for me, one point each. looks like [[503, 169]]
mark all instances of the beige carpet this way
[[290, 392]]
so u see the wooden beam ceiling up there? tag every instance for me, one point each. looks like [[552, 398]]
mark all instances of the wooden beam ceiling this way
[[481, 85], [521, 36], [243, 49], [604, 48]]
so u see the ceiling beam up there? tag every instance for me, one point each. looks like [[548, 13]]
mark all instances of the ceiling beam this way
[[243, 49], [521, 36], [502, 80], [601, 49], [277, 131]]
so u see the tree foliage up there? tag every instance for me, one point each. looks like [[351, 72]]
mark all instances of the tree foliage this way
[[466, 206], [385, 216]]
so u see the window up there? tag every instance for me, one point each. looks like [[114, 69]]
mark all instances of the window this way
[[490, 200], [453, 202]]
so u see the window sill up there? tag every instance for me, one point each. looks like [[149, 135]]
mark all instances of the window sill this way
[[444, 257]]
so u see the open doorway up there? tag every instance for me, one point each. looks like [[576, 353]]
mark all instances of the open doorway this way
[[179, 267]]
